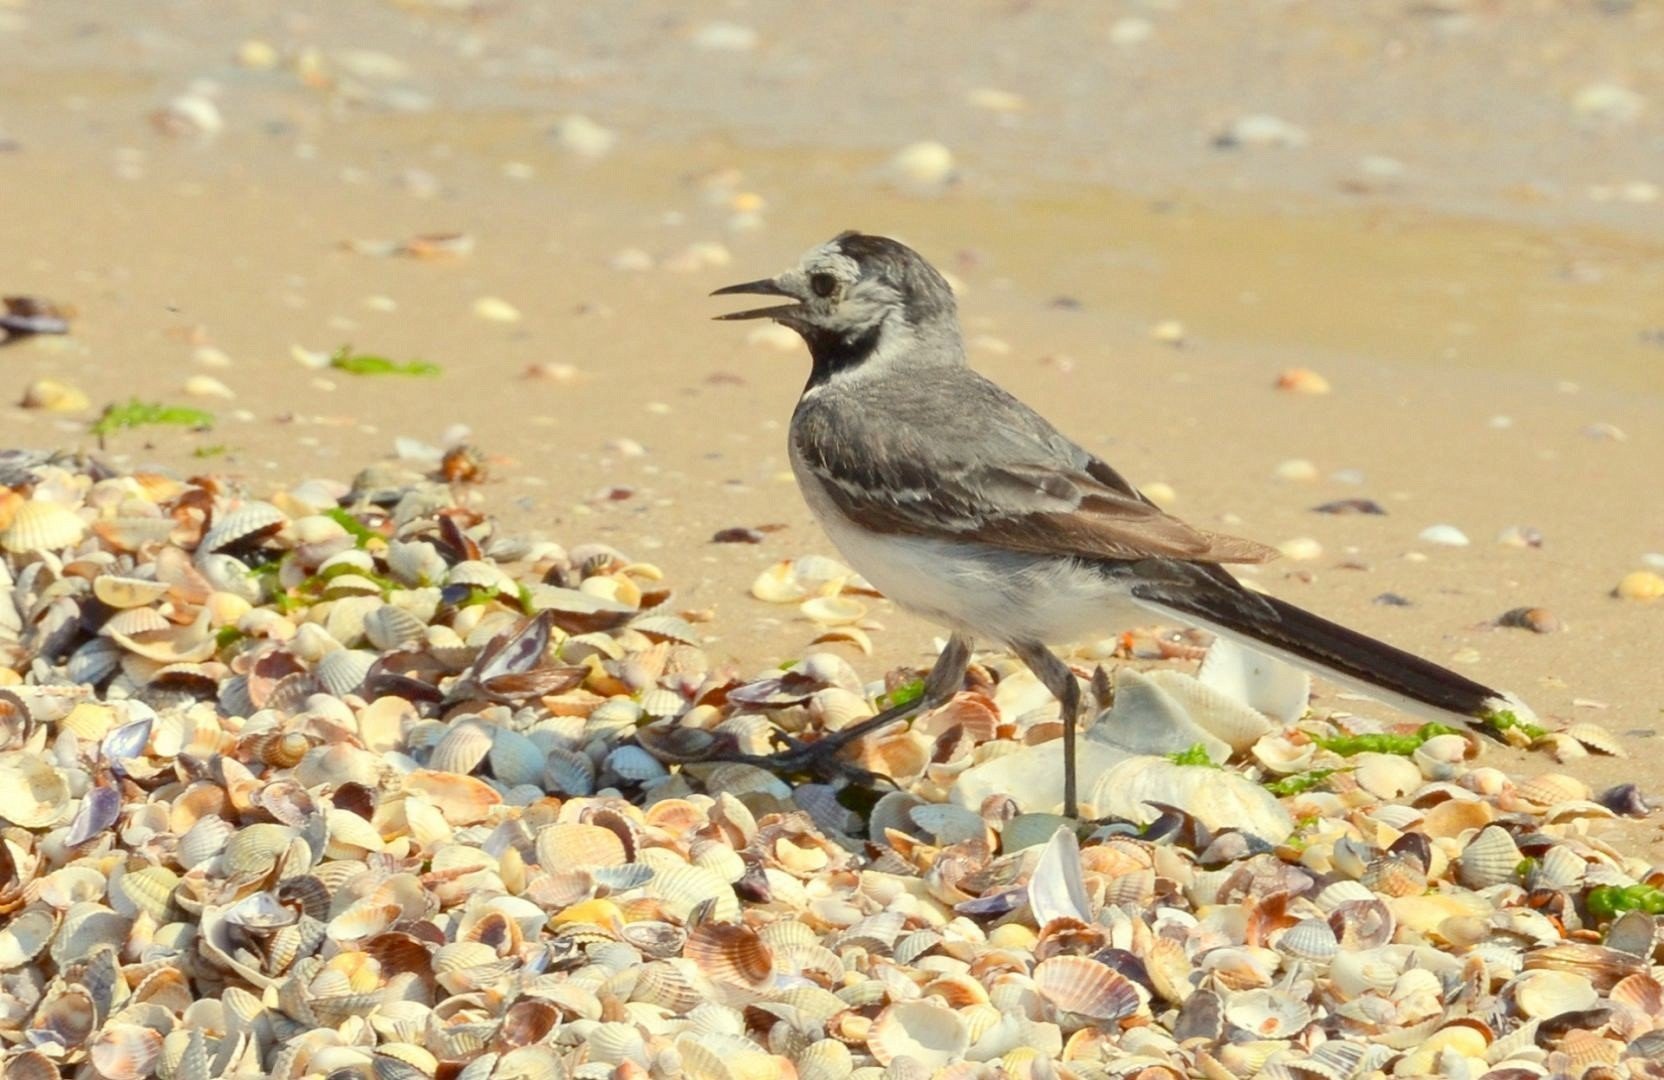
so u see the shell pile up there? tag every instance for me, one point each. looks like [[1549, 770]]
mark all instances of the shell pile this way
[[346, 783]]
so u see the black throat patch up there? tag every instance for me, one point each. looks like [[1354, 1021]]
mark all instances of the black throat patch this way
[[833, 353]]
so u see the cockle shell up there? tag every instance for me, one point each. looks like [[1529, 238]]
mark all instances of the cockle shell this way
[[42, 525], [1079, 984], [933, 1036]]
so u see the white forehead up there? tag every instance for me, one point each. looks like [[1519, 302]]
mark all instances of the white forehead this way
[[829, 259]]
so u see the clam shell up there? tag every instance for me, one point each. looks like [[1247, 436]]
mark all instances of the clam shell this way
[[576, 846], [1057, 889], [389, 627], [25, 936], [1218, 799], [34, 794]]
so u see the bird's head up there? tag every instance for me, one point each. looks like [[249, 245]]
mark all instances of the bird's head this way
[[857, 296]]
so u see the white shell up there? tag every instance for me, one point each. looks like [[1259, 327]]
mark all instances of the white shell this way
[[42, 525], [247, 520], [342, 672], [1217, 798], [1057, 889], [1277, 689]]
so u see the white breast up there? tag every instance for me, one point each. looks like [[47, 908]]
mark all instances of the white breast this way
[[1003, 596]]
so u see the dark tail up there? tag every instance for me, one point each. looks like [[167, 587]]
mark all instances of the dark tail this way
[[1299, 636]]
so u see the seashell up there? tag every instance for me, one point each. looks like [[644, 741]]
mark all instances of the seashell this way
[[149, 890], [464, 746], [462, 800], [1270, 686], [514, 758], [1386, 776], [34, 794], [932, 1035], [635, 765], [576, 846], [249, 522], [42, 525], [128, 592], [1057, 888], [729, 954], [1081, 985], [833, 610], [567, 772], [1551, 789], [1268, 1014], [126, 1051], [25, 936], [679, 890], [1218, 799], [343, 671], [1309, 939], [1542, 994], [1490, 858], [1150, 718], [389, 627]]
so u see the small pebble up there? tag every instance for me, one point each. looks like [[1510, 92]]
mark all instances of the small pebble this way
[[495, 309], [628, 448], [1161, 494], [1640, 585], [1606, 432], [1448, 535], [738, 534], [1392, 599], [922, 168], [1168, 332], [1654, 559], [633, 260], [1131, 30], [1296, 469], [257, 55], [189, 115], [552, 371], [700, 255], [1302, 381], [210, 357], [1608, 105], [1350, 506], [51, 395], [1535, 619], [725, 37], [1520, 536], [1301, 549], [207, 386], [584, 137], [999, 101], [1261, 129]]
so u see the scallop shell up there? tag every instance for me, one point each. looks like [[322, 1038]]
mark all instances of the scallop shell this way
[[1081, 985], [634, 764], [1542, 994], [729, 954], [42, 525], [515, 759], [24, 936], [1309, 939], [249, 521], [568, 772], [933, 1036]]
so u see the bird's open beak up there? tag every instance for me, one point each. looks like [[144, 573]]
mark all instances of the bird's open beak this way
[[765, 287]]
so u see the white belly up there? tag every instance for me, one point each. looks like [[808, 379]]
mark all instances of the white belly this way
[[1003, 596]]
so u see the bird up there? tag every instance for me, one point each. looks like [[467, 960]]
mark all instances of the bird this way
[[966, 507]]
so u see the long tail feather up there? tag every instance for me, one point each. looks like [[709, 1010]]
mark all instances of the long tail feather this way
[[1357, 660]]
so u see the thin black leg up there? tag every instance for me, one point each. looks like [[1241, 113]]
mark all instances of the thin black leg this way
[[822, 755], [1057, 677]]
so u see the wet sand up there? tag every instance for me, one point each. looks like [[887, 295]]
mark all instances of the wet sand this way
[[1488, 319]]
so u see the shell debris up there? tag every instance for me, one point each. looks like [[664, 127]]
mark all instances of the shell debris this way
[[340, 780]]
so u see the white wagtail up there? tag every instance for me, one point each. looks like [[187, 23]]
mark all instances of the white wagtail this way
[[965, 506]]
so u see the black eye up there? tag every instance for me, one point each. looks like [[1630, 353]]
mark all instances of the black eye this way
[[823, 283]]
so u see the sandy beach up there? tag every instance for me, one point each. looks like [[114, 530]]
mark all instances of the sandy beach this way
[[1451, 214], [1487, 319]]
